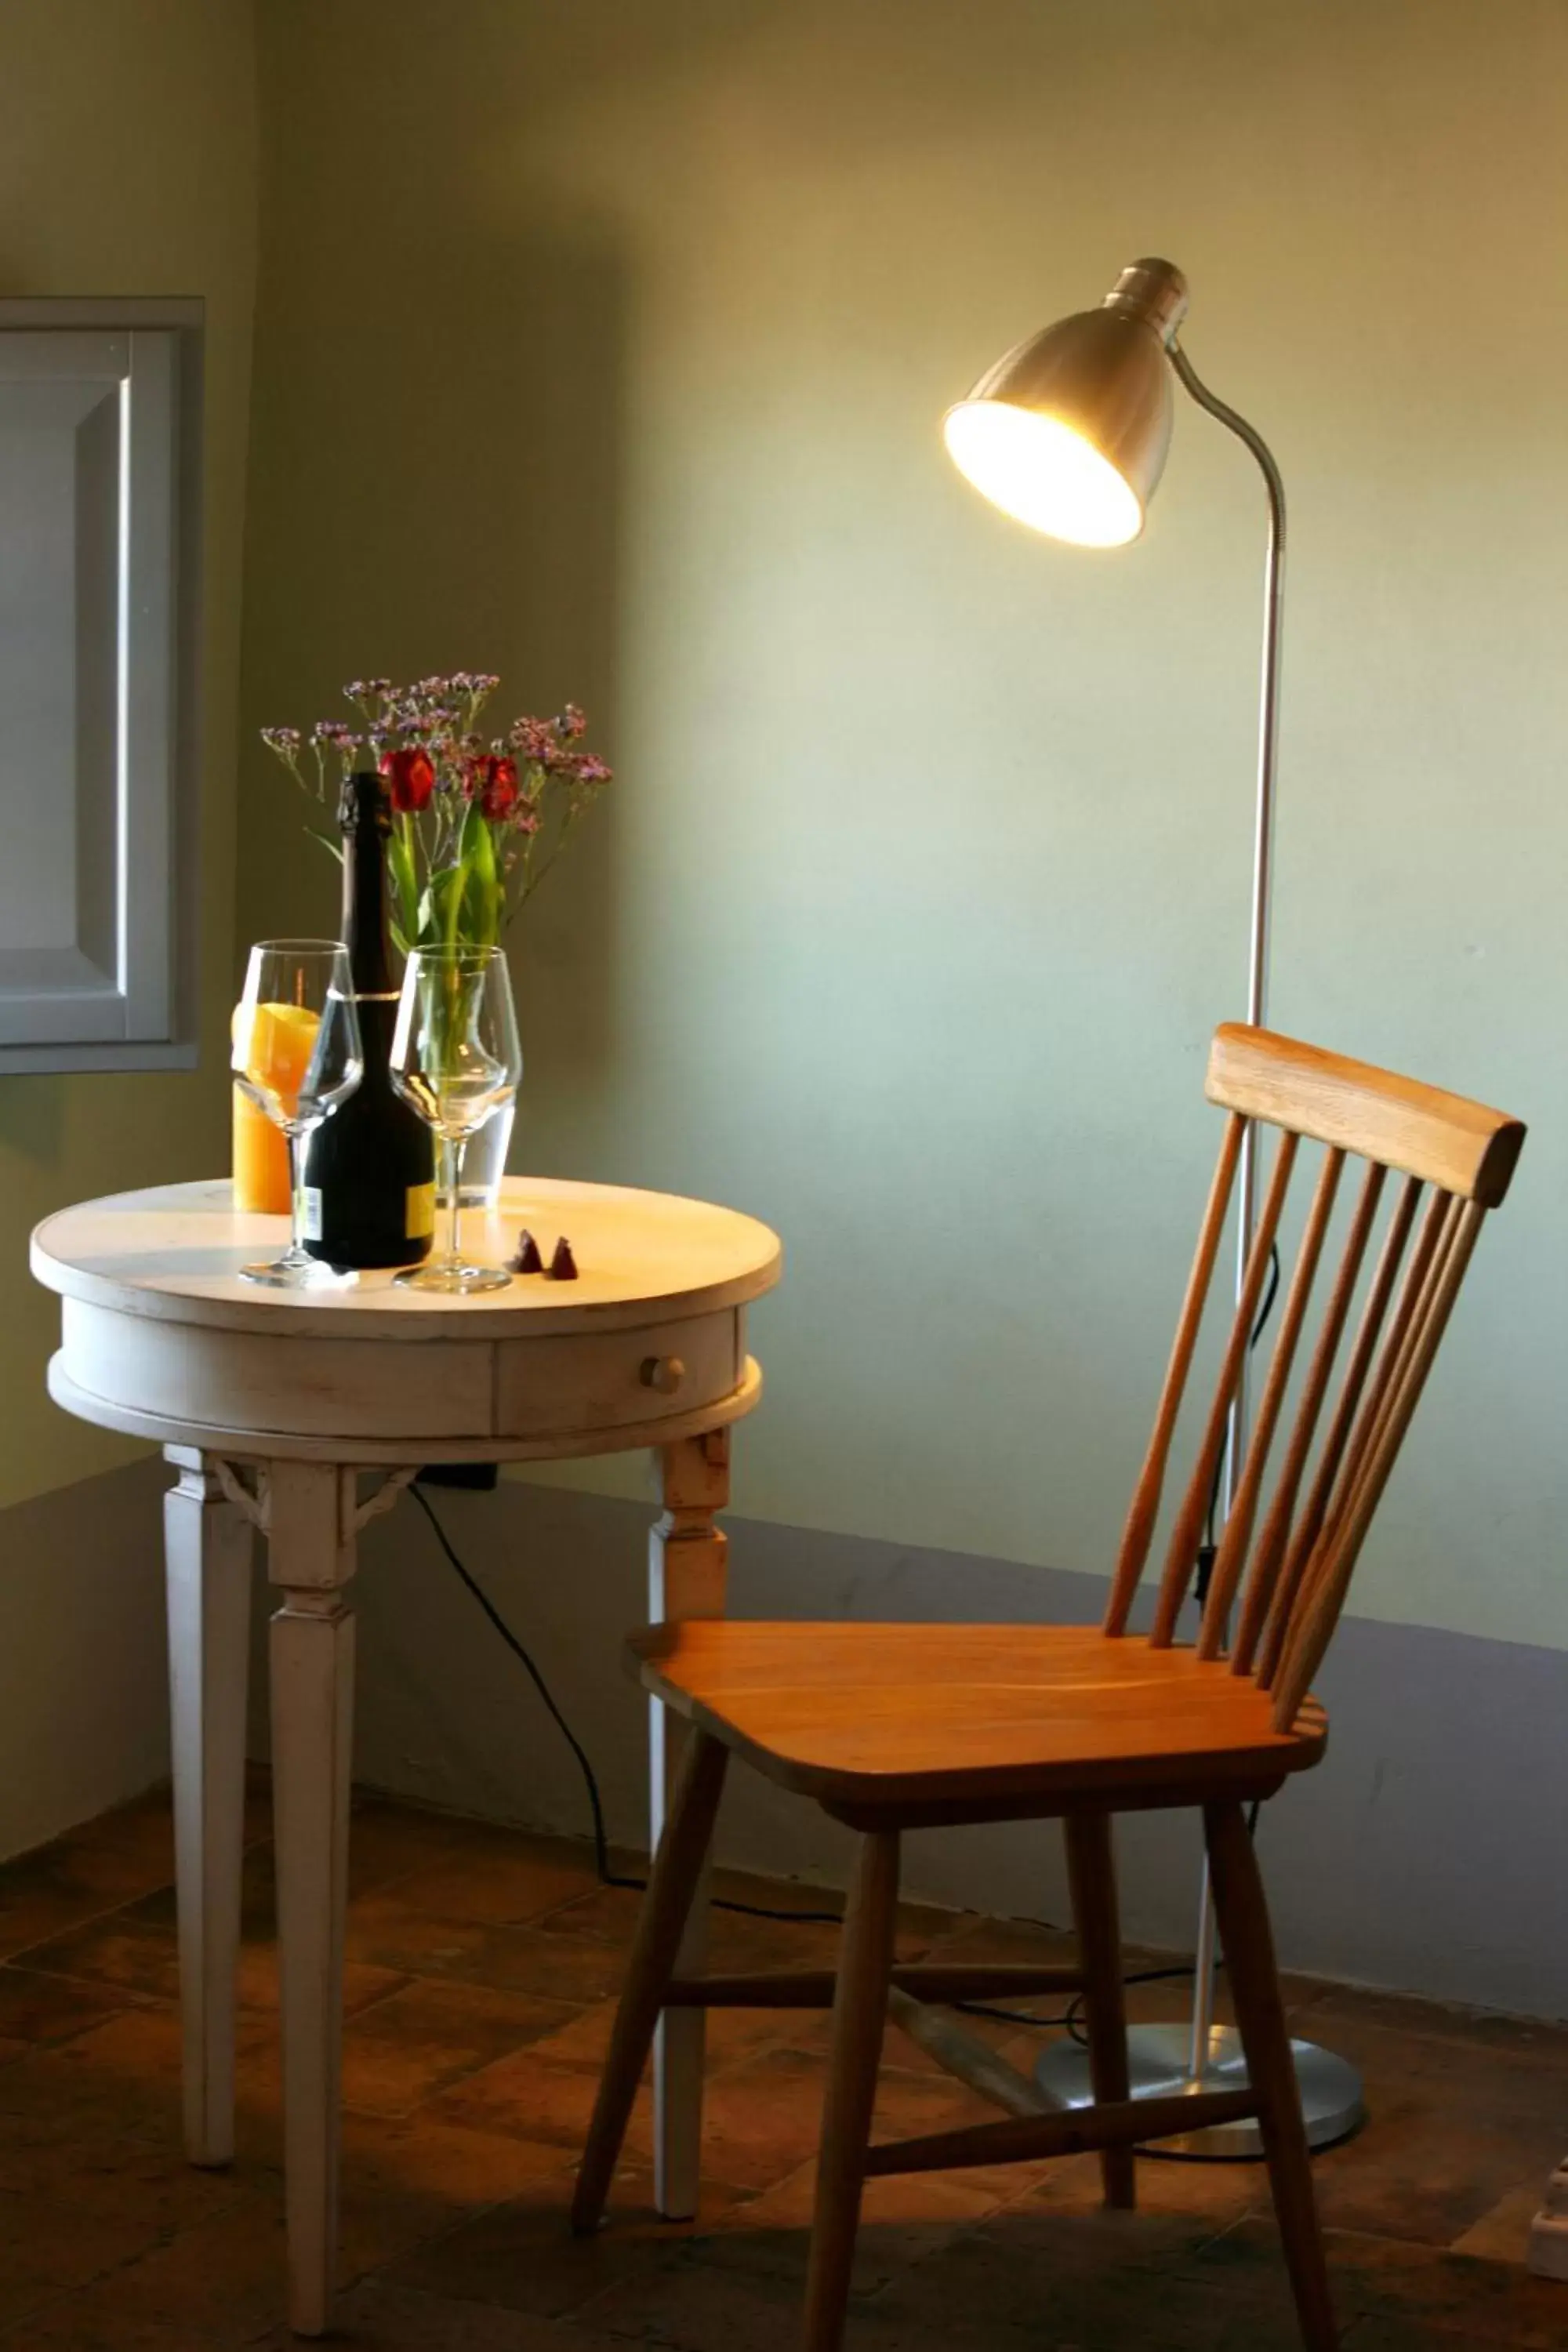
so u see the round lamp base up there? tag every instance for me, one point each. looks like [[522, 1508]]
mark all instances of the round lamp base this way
[[1158, 2062]]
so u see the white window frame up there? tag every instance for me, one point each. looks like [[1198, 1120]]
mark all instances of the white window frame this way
[[126, 997]]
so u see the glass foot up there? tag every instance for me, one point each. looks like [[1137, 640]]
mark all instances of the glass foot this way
[[296, 1274], [453, 1277]]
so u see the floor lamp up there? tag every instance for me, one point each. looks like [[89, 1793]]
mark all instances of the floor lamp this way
[[1068, 434]]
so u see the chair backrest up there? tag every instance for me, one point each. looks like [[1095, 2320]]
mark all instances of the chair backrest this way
[[1286, 1568]]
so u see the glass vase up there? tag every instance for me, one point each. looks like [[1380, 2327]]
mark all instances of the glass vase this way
[[484, 1162]]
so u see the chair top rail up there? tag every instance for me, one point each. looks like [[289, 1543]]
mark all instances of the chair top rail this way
[[1444, 1138]]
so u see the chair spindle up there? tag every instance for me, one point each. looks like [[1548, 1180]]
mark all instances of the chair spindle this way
[[1231, 1557], [1144, 1509], [1182, 1556], [1311, 1634], [1271, 1543], [1304, 1538]]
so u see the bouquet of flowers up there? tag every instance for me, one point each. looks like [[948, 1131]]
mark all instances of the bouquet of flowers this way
[[478, 822]]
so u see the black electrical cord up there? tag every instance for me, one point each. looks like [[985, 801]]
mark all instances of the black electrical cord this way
[[1210, 1544], [607, 1877], [1069, 2018]]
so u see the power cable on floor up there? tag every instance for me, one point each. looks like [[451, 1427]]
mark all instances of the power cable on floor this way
[[606, 1875]]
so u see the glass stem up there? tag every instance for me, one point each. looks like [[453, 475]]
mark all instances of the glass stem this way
[[299, 1137], [452, 1178]]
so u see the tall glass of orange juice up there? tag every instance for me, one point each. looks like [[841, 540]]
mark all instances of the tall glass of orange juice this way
[[282, 1039]]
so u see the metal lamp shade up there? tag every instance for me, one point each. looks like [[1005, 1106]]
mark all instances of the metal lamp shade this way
[[1068, 432]]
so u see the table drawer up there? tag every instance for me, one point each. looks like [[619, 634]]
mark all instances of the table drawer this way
[[610, 1380], [338, 1387]]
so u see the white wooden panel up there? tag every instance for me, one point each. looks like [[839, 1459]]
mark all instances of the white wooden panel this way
[[87, 449]]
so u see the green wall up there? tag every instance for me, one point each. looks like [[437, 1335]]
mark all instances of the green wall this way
[[607, 347], [128, 166]]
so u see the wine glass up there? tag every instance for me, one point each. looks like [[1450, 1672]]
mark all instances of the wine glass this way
[[297, 1054], [455, 1057]]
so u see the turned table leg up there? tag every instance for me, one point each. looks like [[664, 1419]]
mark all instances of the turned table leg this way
[[207, 1547], [686, 1578], [312, 1524]]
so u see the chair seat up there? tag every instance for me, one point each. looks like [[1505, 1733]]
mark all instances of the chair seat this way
[[871, 1714]]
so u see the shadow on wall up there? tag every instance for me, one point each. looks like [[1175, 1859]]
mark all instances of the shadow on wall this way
[[463, 504], [568, 371]]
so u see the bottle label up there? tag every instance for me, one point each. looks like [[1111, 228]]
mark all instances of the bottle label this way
[[310, 1213], [419, 1221]]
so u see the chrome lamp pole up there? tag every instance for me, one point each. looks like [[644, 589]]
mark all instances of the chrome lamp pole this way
[[1068, 432]]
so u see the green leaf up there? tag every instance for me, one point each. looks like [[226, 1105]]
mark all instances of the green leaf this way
[[481, 891], [442, 893], [405, 879]]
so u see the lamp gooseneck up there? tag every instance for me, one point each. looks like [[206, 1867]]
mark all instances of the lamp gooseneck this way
[[1268, 701]]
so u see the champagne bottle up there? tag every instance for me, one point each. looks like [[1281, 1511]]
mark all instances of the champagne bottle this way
[[370, 1187]]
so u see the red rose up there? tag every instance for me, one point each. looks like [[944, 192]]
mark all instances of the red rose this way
[[412, 774], [498, 787]]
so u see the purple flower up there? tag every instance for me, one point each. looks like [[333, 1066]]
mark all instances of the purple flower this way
[[531, 739]]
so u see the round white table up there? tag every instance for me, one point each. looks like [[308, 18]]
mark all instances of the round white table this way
[[273, 1407]]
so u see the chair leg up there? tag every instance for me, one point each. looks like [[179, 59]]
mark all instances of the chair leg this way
[[677, 1870], [1092, 1875], [1243, 1914], [859, 2015]]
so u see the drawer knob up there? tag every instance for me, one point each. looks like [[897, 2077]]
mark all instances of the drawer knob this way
[[664, 1374]]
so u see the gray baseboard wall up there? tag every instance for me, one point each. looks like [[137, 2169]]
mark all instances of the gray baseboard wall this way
[[1428, 1854], [84, 1709]]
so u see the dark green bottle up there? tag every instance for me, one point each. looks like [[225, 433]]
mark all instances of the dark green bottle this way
[[370, 1170]]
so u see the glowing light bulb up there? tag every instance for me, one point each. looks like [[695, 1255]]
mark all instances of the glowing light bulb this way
[[1040, 471]]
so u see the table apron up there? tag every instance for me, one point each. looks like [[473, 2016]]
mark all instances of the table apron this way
[[512, 1388]]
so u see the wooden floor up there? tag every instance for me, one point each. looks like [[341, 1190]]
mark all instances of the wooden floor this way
[[480, 1973]]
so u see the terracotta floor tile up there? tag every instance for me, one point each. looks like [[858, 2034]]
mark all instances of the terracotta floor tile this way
[[761, 2118], [733, 2034], [121, 2075], [1502, 2233], [408, 2183], [1532, 2041], [1452, 2128], [389, 1930], [49, 2244], [903, 2221], [533, 2097], [389, 1840], [427, 2036], [522, 2255], [379, 2317], [689, 2302], [485, 1966], [127, 1950], [51, 2008], [526, 1881], [217, 2286], [1003, 1942], [1214, 2197], [609, 1913], [1384, 2281], [91, 1871], [1102, 2281]]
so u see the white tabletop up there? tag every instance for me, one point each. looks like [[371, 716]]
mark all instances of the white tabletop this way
[[174, 1252]]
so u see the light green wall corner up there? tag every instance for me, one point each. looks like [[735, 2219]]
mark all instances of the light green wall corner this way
[[128, 166]]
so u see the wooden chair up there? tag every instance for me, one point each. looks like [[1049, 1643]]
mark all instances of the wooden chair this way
[[891, 1727]]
